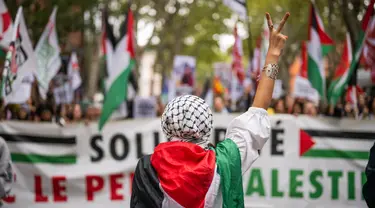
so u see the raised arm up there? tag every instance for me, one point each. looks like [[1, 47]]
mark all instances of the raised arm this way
[[251, 130], [269, 73]]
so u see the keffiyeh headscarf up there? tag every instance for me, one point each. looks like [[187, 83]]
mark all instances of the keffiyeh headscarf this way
[[189, 119]]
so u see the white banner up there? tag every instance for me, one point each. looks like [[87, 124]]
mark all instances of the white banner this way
[[306, 162]]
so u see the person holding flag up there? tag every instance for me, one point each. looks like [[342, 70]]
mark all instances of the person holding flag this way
[[188, 171]]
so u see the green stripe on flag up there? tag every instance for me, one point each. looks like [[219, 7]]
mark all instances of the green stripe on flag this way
[[326, 49], [340, 154], [314, 75], [35, 158], [117, 94]]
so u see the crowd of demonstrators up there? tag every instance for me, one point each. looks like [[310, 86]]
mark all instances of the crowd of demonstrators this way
[[363, 110], [48, 112], [89, 111]]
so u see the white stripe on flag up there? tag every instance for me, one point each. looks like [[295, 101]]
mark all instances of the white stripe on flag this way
[[41, 149], [342, 144]]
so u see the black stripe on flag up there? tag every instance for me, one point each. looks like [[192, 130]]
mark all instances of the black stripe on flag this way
[[314, 19], [146, 191], [39, 139], [342, 134]]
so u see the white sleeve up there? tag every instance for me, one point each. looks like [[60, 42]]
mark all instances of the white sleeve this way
[[250, 131]]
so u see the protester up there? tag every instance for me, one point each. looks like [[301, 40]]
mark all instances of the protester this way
[[280, 106], [23, 113], [369, 187], [297, 109], [181, 172], [219, 106], [45, 113], [6, 171]]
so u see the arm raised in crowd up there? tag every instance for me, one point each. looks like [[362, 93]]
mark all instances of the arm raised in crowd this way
[[251, 130], [268, 76]]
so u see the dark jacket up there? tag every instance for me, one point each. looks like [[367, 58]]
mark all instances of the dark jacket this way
[[369, 186]]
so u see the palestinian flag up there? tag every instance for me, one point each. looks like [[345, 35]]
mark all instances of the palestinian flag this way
[[237, 53], [182, 174], [5, 27], [304, 60], [363, 43], [333, 144], [122, 64], [20, 63], [319, 45], [341, 78], [108, 43], [352, 94], [47, 52], [41, 149]]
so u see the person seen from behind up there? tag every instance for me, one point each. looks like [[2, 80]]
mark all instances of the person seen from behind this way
[[188, 171]]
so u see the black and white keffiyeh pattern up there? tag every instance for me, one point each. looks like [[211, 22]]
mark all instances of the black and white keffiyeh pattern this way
[[189, 119]]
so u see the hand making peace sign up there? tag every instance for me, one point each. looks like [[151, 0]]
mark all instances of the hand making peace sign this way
[[277, 40]]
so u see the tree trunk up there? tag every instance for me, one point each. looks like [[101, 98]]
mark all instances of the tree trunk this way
[[92, 68]]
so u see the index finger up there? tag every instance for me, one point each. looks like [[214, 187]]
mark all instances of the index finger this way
[[283, 21], [269, 20]]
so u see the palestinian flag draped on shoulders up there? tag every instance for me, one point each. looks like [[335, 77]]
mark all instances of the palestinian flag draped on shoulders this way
[[121, 64], [183, 174], [320, 44]]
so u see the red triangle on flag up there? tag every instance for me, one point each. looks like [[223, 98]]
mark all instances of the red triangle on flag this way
[[306, 142]]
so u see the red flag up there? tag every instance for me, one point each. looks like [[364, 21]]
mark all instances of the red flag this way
[[237, 65], [303, 72]]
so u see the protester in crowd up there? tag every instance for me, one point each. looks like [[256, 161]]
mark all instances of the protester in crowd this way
[[369, 187], [297, 108], [61, 114], [219, 106], [310, 109], [45, 113], [349, 111], [372, 109], [245, 101], [187, 171], [76, 114], [24, 113], [365, 114], [280, 106], [6, 171], [92, 113], [362, 102], [159, 107]]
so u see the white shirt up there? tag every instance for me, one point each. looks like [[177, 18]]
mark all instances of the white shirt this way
[[250, 131]]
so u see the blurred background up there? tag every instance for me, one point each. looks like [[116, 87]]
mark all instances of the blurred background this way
[[224, 42]]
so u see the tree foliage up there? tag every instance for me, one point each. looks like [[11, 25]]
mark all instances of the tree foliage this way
[[193, 27]]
